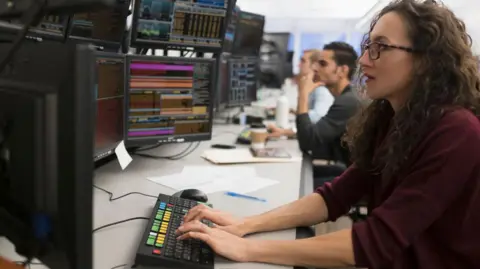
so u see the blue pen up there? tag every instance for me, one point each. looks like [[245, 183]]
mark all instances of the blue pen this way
[[234, 194]]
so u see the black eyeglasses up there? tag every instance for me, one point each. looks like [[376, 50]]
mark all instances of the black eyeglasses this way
[[375, 48]]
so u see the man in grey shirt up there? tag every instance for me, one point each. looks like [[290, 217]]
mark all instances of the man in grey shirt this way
[[335, 70]]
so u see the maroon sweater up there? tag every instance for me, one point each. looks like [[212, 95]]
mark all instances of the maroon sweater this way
[[429, 218]]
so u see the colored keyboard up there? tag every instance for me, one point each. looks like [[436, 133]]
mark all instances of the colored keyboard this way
[[159, 247]]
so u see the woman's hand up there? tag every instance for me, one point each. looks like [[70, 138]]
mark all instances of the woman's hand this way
[[222, 220], [223, 243]]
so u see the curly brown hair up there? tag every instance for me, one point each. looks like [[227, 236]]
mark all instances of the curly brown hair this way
[[446, 75]]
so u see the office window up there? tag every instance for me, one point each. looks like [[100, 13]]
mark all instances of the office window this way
[[356, 41]]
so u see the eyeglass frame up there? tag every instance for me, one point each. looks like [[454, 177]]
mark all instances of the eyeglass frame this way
[[384, 45]]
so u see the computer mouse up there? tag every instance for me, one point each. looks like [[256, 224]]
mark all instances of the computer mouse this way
[[192, 194]]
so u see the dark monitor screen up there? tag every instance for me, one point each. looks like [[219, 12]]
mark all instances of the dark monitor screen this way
[[53, 27], [104, 27], [248, 34], [242, 81], [230, 31], [169, 99], [175, 23], [110, 100]]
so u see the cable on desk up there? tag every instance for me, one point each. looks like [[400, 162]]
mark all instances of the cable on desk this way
[[119, 222], [178, 156], [111, 199], [149, 147]]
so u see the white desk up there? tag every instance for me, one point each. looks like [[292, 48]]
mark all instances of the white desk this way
[[118, 244]]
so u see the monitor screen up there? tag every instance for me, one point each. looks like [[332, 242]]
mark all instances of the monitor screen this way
[[110, 93], [248, 34], [104, 27], [52, 27], [177, 24], [169, 99], [230, 31], [243, 79]]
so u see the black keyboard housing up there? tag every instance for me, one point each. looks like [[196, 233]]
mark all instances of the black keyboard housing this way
[[159, 247]]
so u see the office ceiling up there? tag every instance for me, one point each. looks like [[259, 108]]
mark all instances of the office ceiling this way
[[323, 9]]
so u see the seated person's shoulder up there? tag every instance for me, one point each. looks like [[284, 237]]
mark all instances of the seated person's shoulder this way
[[460, 119], [457, 127]]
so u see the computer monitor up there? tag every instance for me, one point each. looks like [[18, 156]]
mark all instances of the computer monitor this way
[[248, 34], [230, 31], [110, 103], [169, 99], [51, 27], [177, 24], [104, 28], [46, 171], [242, 81]]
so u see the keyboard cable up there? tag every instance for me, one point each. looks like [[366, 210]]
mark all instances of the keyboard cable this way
[[175, 157], [118, 222], [110, 194]]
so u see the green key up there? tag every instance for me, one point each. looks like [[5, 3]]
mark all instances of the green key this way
[[159, 245], [159, 216], [155, 228], [150, 241]]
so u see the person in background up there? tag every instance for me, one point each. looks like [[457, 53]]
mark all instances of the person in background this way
[[319, 100], [334, 68], [415, 150]]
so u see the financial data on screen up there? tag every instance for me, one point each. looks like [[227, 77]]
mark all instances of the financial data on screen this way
[[182, 23], [169, 99]]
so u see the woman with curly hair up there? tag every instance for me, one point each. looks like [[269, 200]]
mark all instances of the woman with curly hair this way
[[415, 152]]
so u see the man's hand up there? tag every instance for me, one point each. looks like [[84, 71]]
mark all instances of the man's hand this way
[[307, 84], [223, 243], [275, 131], [222, 220]]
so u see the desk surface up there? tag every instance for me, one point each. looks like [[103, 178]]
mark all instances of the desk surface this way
[[118, 244]]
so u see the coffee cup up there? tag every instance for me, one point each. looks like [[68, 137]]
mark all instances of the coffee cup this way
[[258, 138]]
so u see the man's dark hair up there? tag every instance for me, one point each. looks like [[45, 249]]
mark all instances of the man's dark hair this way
[[344, 54]]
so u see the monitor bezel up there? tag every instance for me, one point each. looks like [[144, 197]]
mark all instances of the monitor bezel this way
[[235, 53], [237, 9], [228, 104], [155, 44], [68, 202], [102, 43], [108, 151], [144, 141]]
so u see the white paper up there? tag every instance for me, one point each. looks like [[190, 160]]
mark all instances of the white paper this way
[[181, 181], [123, 156], [238, 185], [211, 179]]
